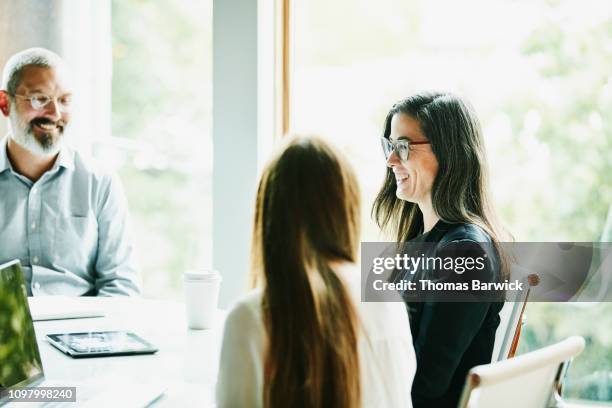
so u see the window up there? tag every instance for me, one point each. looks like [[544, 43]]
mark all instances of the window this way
[[161, 133], [537, 73]]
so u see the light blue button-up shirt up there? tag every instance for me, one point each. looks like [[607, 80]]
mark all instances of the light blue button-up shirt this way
[[69, 229]]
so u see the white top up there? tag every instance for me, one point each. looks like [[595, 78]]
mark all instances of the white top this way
[[387, 360]]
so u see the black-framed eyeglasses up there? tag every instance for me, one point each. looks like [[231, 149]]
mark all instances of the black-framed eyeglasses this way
[[401, 147]]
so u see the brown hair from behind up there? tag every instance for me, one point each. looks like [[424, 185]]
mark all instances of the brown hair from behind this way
[[306, 216]]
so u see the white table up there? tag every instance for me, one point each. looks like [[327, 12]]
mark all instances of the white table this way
[[187, 360]]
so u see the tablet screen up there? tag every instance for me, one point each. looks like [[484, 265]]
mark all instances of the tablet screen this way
[[112, 342]]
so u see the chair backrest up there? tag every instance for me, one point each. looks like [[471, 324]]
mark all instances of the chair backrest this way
[[526, 381], [511, 319]]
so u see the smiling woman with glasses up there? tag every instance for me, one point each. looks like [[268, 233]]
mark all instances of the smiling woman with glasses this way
[[436, 191]]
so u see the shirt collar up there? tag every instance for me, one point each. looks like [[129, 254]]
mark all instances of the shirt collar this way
[[64, 159]]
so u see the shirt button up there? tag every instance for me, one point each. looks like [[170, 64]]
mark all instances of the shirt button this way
[[35, 259], [37, 285], [33, 225], [33, 190]]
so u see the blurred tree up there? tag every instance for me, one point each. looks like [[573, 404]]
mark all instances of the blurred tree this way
[[161, 116], [568, 114]]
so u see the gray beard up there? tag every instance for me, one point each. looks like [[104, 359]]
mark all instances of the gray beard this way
[[23, 135]]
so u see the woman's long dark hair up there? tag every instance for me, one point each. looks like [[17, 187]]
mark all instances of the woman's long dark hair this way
[[306, 215], [460, 190]]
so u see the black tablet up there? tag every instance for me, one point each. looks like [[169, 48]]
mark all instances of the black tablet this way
[[100, 344]]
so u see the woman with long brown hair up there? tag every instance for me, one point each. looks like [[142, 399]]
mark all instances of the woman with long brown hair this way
[[436, 192], [302, 338]]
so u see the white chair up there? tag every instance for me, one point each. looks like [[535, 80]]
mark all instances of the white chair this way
[[531, 380], [511, 322]]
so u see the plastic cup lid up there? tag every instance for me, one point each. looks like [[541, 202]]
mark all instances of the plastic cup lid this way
[[203, 275]]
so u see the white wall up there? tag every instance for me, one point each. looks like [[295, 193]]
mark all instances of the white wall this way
[[234, 140]]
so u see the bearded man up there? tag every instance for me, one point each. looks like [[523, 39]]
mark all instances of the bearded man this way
[[62, 216]]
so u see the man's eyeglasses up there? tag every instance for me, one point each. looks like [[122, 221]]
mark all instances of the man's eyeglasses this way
[[39, 101], [401, 147]]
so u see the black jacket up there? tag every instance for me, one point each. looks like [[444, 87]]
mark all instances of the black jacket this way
[[450, 337]]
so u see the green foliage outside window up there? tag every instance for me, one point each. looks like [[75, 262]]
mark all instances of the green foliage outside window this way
[[161, 108]]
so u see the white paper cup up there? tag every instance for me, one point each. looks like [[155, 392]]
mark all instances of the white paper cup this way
[[201, 296]]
